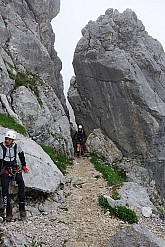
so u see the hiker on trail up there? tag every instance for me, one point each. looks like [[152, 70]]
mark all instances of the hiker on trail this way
[[10, 170], [79, 140]]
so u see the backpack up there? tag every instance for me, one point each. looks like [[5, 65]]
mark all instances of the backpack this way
[[4, 150]]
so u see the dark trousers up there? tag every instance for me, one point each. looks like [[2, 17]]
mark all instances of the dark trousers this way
[[5, 180]]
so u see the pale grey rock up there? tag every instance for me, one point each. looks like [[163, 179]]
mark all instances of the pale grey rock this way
[[136, 172], [135, 236], [32, 39], [11, 239], [135, 196], [4, 32], [43, 8], [119, 88], [157, 178], [48, 206], [6, 83], [6, 105], [30, 210], [146, 212], [103, 146], [44, 117], [114, 203]]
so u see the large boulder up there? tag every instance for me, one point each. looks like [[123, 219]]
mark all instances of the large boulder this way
[[30, 71], [135, 196], [119, 87], [103, 146], [135, 236]]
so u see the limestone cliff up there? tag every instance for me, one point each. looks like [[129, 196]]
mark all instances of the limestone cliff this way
[[120, 87], [30, 76]]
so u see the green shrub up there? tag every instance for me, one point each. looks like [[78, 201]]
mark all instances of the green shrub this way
[[160, 209], [113, 177], [126, 214], [9, 122], [115, 194], [121, 212], [59, 159], [28, 80], [103, 202]]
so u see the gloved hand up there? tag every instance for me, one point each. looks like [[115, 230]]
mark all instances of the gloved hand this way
[[25, 169]]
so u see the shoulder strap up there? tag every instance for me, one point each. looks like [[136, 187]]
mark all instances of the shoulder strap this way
[[4, 150], [15, 150]]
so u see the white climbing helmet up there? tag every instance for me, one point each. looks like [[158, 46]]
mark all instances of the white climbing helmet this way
[[80, 126], [11, 134]]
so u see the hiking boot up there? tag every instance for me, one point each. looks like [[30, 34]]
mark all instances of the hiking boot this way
[[22, 210], [9, 215]]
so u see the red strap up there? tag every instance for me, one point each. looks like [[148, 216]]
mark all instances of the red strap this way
[[6, 172]]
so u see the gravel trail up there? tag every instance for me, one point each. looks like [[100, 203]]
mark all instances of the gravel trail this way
[[79, 221]]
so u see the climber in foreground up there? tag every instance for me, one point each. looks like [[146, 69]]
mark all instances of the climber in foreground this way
[[10, 170], [79, 139]]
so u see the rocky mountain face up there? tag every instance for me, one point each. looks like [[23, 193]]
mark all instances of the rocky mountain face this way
[[119, 88], [31, 85]]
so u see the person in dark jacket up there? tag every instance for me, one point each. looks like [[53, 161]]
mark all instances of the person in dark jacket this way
[[79, 140], [11, 170]]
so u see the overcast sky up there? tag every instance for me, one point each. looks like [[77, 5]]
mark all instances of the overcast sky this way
[[75, 14]]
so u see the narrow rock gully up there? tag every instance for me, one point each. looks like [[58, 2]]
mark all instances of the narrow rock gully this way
[[79, 221]]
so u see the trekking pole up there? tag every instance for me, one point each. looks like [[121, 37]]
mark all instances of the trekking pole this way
[[1, 218], [5, 207]]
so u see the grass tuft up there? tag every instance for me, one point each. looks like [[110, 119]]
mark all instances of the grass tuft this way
[[7, 121], [121, 212], [115, 194], [160, 210], [28, 80], [59, 159], [113, 177]]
